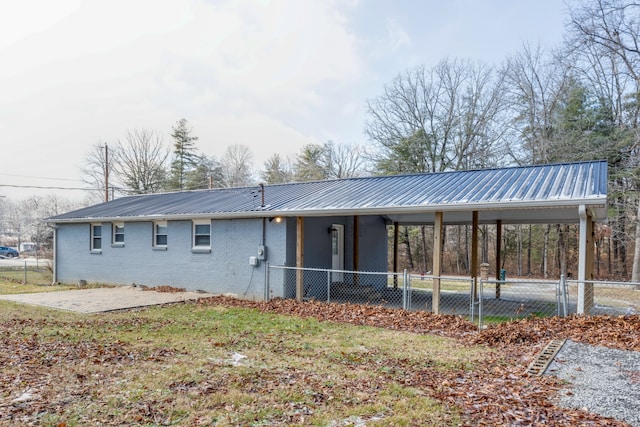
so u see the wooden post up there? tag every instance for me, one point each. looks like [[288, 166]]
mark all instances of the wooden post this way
[[356, 249], [299, 257], [437, 262], [474, 250], [395, 254], [498, 255]]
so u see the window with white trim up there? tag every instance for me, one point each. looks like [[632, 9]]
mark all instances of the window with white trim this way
[[201, 234], [96, 238], [117, 233], [160, 234]]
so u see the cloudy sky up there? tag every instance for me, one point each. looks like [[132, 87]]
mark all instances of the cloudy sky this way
[[272, 75]]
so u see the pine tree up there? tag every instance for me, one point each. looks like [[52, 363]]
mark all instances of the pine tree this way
[[185, 156]]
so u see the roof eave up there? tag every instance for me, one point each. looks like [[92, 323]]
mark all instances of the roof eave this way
[[593, 202]]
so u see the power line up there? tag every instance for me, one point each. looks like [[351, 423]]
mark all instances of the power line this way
[[40, 177], [41, 187]]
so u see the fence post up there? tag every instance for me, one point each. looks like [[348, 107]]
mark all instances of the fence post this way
[[565, 296], [404, 289], [480, 298], [558, 295], [409, 292], [328, 286], [472, 306], [25, 272]]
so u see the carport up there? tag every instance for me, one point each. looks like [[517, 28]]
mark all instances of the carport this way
[[567, 193]]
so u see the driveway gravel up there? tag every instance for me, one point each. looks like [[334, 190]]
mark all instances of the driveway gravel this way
[[95, 300], [604, 381]]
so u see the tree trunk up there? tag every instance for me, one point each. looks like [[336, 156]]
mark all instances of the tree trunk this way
[[622, 249], [635, 272], [519, 245], [466, 248], [423, 233], [459, 252], [407, 243], [609, 257], [562, 253], [485, 243]]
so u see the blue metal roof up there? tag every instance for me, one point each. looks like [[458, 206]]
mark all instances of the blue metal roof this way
[[513, 194]]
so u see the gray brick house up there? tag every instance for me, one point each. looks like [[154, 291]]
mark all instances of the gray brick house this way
[[219, 240]]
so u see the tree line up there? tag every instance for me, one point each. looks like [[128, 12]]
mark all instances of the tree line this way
[[140, 163]]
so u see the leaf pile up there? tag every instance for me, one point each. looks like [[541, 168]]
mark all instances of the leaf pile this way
[[421, 322], [621, 332]]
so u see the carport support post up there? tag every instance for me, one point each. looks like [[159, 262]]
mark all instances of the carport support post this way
[[474, 250], [356, 248], [437, 262], [585, 262], [395, 254], [498, 256], [299, 257]]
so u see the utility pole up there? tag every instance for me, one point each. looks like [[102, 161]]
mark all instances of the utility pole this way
[[106, 172]]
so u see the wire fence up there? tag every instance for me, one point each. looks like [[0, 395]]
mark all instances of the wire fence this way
[[481, 301], [27, 270]]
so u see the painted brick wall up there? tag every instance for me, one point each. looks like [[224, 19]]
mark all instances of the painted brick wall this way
[[225, 269]]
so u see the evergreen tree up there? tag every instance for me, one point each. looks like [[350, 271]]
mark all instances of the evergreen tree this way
[[185, 156]]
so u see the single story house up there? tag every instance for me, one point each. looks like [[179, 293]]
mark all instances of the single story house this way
[[219, 240]]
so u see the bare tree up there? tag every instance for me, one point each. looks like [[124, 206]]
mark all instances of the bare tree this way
[[535, 85], [603, 42], [439, 119], [343, 161], [98, 165], [237, 165], [140, 162]]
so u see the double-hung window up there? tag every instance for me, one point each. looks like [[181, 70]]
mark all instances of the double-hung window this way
[[96, 238], [117, 234], [160, 234], [201, 235]]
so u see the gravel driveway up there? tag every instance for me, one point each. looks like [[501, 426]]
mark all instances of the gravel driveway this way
[[604, 381], [97, 300]]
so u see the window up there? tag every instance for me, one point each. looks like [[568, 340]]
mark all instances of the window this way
[[160, 234], [117, 234], [202, 234], [96, 237]]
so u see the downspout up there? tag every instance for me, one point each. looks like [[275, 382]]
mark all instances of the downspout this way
[[55, 255]]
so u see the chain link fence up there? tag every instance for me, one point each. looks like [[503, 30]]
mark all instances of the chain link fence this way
[[389, 289], [481, 301], [26, 270]]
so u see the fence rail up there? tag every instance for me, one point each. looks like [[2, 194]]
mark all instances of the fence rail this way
[[481, 301]]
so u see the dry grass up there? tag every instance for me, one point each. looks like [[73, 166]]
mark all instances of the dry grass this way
[[183, 365]]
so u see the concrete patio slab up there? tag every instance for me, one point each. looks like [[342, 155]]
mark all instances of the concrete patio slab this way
[[96, 300]]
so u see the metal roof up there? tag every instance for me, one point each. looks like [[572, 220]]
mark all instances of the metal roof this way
[[525, 194]]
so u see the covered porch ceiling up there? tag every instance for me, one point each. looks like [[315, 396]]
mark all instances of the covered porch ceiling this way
[[506, 215]]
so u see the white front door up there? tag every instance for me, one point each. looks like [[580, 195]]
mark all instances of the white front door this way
[[337, 251]]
